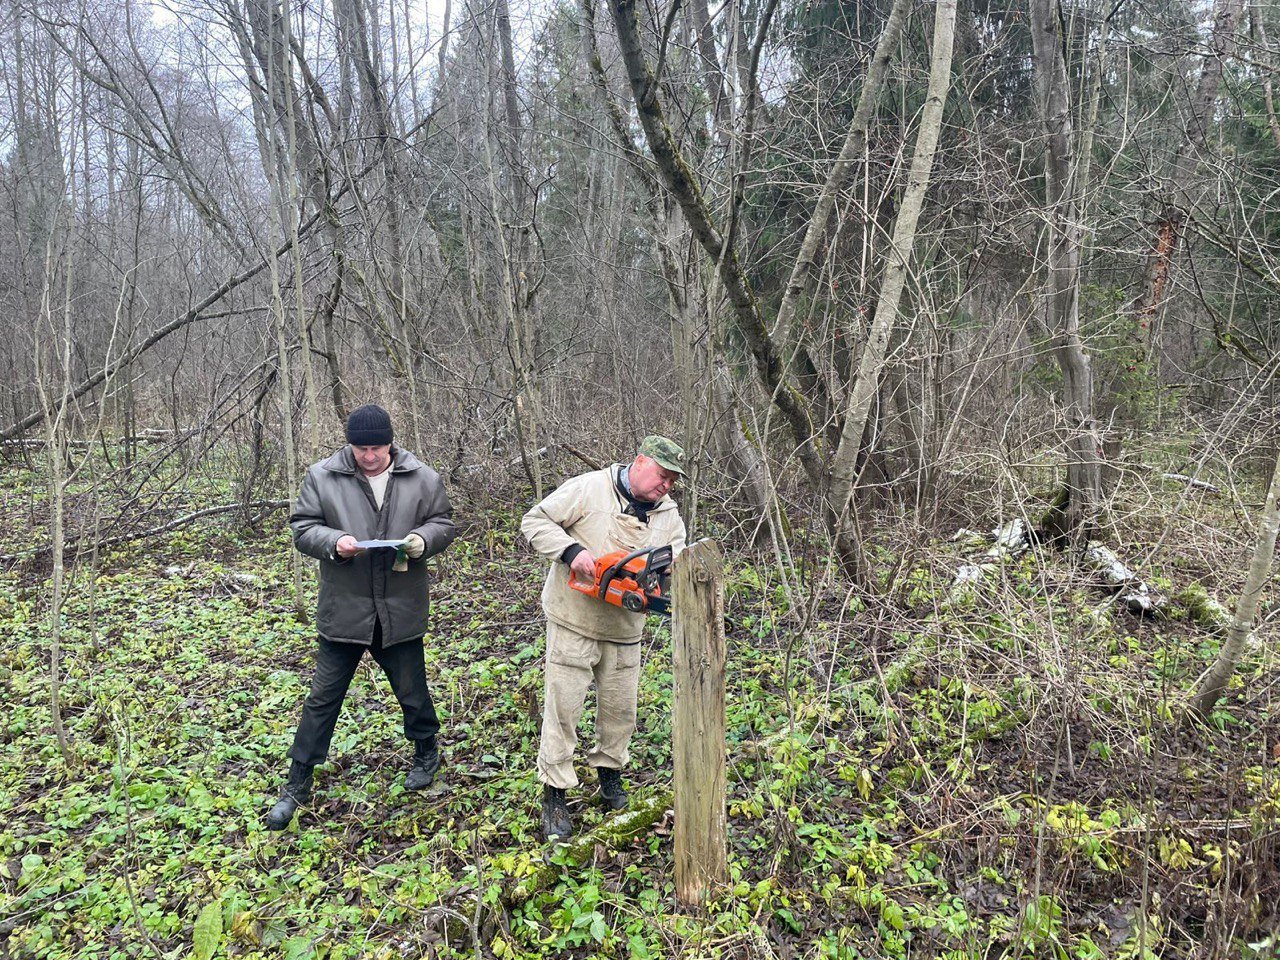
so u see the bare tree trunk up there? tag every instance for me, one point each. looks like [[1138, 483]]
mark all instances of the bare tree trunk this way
[[310, 432], [670, 234], [713, 77], [855, 144], [870, 367], [291, 468], [275, 100], [519, 274], [1214, 682], [1073, 518], [56, 452], [746, 461], [910, 414], [1259, 30], [43, 240], [680, 180], [1181, 171]]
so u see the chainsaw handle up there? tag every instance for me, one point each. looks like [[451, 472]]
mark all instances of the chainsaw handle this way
[[631, 556], [583, 579]]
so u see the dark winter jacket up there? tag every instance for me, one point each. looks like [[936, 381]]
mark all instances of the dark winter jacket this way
[[336, 499]]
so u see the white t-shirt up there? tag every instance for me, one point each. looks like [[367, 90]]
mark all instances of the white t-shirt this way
[[379, 485]]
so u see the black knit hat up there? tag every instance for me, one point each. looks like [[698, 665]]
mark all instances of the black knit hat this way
[[369, 426]]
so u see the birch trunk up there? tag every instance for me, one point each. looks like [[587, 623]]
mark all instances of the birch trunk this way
[[515, 242], [855, 145], [871, 365], [1214, 683]]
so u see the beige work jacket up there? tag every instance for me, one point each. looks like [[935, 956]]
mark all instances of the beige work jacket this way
[[587, 509]]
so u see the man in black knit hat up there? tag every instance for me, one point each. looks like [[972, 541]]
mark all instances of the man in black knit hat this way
[[370, 599]]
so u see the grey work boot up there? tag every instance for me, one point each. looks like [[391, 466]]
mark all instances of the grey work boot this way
[[426, 763], [556, 824], [297, 791], [612, 793]]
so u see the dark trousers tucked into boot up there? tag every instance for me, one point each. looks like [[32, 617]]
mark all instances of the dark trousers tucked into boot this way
[[296, 792], [426, 763], [335, 666]]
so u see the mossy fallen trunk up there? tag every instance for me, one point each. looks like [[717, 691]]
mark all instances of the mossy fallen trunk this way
[[1204, 611], [616, 831], [459, 930]]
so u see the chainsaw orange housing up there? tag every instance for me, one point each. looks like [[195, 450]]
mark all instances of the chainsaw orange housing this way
[[624, 588]]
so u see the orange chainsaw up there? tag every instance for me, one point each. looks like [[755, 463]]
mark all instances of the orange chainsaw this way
[[639, 581]]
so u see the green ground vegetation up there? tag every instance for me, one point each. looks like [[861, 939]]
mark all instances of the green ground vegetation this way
[[1025, 789]]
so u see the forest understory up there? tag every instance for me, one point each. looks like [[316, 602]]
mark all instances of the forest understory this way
[[907, 281], [1022, 784]]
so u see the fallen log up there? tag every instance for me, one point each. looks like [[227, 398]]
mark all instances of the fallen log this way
[[148, 436], [460, 931], [1005, 542], [85, 543], [1191, 482], [1204, 611], [614, 832], [1011, 539]]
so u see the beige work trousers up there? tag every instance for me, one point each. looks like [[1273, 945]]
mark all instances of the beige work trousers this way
[[573, 661]]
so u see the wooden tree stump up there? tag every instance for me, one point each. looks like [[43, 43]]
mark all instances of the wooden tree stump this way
[[698, 725]]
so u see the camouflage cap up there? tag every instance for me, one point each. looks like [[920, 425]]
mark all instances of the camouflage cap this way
[[664, 452]]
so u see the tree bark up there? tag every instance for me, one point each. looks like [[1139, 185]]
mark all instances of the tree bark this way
[[681, 181], [871, 365], [855, 144], [1181, 172], [1215, 681], [1073, 518], [679, 273]]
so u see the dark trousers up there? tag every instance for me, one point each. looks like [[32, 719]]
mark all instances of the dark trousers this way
[[335, 666]]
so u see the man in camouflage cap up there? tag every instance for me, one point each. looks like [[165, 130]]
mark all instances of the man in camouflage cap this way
[[665, 453], [622, 507]]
